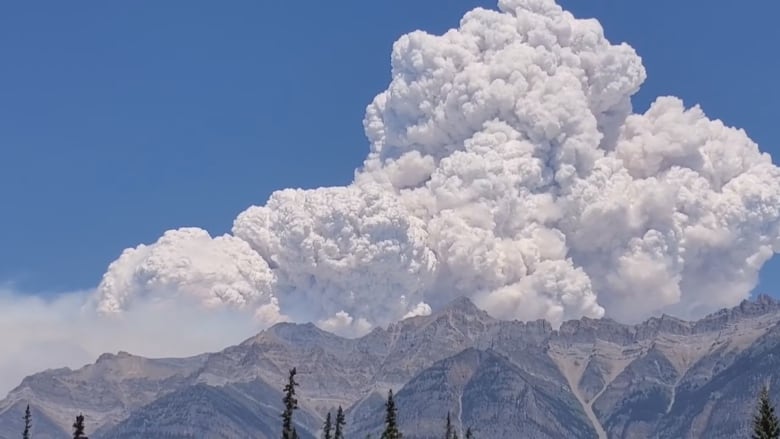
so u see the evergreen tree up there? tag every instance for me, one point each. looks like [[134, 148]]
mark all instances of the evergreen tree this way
[[340, 423], [449, 430], [326, 428], [290, 405], [765, 422], [78, 428], [391, 424], [27, 423], [469, 434]]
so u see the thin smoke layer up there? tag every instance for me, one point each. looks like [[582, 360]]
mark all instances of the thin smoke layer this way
[[57, 331], [505, 165]]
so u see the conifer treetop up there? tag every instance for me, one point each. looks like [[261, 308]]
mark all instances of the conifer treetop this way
[[391, 423], [78, 428], [765, 422], [290, 405], [27, 423], [326, 428], [340, 423]]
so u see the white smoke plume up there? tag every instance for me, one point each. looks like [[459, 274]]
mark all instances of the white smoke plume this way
[[505, 164], [212, 271]]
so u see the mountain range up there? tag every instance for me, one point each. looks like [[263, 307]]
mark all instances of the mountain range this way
[[590, 378]]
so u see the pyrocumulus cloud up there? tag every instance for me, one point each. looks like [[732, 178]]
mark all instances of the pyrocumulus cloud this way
[[505, 164]]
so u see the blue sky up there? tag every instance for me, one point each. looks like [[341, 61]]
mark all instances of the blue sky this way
[[120, 120]]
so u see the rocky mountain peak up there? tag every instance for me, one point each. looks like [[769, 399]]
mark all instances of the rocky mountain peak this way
[[589, 330], [578, 374], [121, 355], [762, 306], [292, 333], [463, 306]]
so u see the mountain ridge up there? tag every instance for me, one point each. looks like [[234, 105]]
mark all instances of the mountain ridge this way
[[590, 361]]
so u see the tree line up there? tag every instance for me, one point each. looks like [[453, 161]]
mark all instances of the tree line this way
[[766, 424], [335, 430], [78, 426]]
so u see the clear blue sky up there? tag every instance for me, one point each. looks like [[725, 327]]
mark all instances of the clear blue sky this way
[[119, 120]]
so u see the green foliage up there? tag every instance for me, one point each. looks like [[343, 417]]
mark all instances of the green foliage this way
[[27, 423], [326, 428], [290, 405], [340, 423], [391, 423], [765, 422], [78, 428]]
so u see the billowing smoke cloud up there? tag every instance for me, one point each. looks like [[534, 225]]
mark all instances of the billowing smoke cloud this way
[[212, 271], [346, 249], [505, 164]]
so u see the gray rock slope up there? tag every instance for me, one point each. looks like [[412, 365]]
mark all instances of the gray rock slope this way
[[105, 392], [240, 410], [664, 378], [476, 386]]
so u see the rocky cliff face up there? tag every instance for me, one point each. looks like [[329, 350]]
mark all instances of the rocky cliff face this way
[[590, 379]]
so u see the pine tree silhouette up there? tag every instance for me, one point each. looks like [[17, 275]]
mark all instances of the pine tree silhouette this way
[[391, 424], [765, 422], [78, 428], [290, 405], [27, 423], [326, 427], [448, 432], [340, 423]]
